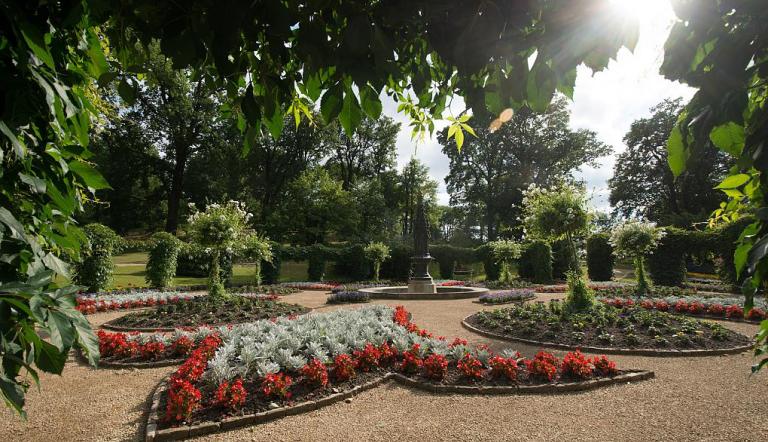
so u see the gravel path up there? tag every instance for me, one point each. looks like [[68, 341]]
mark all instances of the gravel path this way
[[707, 398]]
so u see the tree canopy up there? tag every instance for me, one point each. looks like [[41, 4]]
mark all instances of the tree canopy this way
[[492, 170], [643, 184]]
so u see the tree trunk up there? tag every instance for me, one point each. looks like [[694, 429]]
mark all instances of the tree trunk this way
[[174, 195]]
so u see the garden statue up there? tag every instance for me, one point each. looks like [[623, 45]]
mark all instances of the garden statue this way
[[420, 281]]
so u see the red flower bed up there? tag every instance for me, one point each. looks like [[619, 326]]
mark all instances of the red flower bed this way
[[542, 366], [231, 396], [343, 367], [503, 367], [436, 366], [276, 385], [604, 366], [368, 358], [411, 361], [470, 367], [315, 373], [734, 311], [576, 365], [756, 314]]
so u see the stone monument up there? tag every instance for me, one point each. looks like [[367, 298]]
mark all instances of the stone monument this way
[[421, 281]]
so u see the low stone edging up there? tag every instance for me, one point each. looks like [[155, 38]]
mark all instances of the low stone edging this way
[[609, 350], [154, 434]]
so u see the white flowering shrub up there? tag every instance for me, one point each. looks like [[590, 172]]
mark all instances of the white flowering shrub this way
[[636, 239], [219, 228]]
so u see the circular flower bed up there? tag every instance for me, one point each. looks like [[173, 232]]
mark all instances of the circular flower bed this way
[[507, 296], [208, 311], [254, 372], [308, 285], [90, 304], [606, 329]]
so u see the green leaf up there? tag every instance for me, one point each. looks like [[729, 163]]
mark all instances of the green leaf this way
[[127, 92], [734, 181], [87, 340], [677, 155], [89, 174], [9, 220], [13, 394], [49, 358], [351, 114], [331, 104], [728, 137], [18, 147], [541, 85], [36, 42], [61, 329], [459, 137], [369, 99], [98, 65], [57, 265], [37, 184]]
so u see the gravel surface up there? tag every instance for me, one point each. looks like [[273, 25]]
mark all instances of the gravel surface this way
[[705, 398]]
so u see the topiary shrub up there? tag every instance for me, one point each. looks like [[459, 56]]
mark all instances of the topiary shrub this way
[[722, 242], [535, 263], [161, 265], [637, 239], [316, 258], [95, 268], [485, 255], [562, 259], [194, 261], [666, 263], [600, 259], [350, 263], [505, 252], [270, 271], [258, 250], [376, 253]]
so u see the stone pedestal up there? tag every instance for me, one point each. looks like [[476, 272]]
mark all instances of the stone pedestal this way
[[421, 281]]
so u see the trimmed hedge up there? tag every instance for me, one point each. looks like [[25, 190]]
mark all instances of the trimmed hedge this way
[[448, 256], [398, 266], [600, 258], [163, 257], [535, 262], [725, 245], [667, 263], [562, 258], [352, 264], [96, 267]]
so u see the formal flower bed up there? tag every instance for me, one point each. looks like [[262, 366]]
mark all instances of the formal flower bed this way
[[266, 365], [89, 304], [628, 327], [506, 296], [128, 348], [350, 297], [204, 310], [658, 291], [274, 289], [594, 285], [308, 285], [451, 283], [721, 308], [711, 285]]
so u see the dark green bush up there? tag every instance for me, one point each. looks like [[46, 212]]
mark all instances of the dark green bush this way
[[193, 261], [666, 263], [448, 256], [484, 254], [398, 266], [95, 268], [562, 259], [316, 257], [724, 246], [270, 271], [600, 258], [351, 264], [161, 265], [535, 263]]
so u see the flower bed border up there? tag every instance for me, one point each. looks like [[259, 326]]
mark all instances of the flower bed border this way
[[153, 434], [516, 301], [609, 350], [117, 328], [139, 365]]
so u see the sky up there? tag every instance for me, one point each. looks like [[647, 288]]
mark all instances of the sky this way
[[606, 102]]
